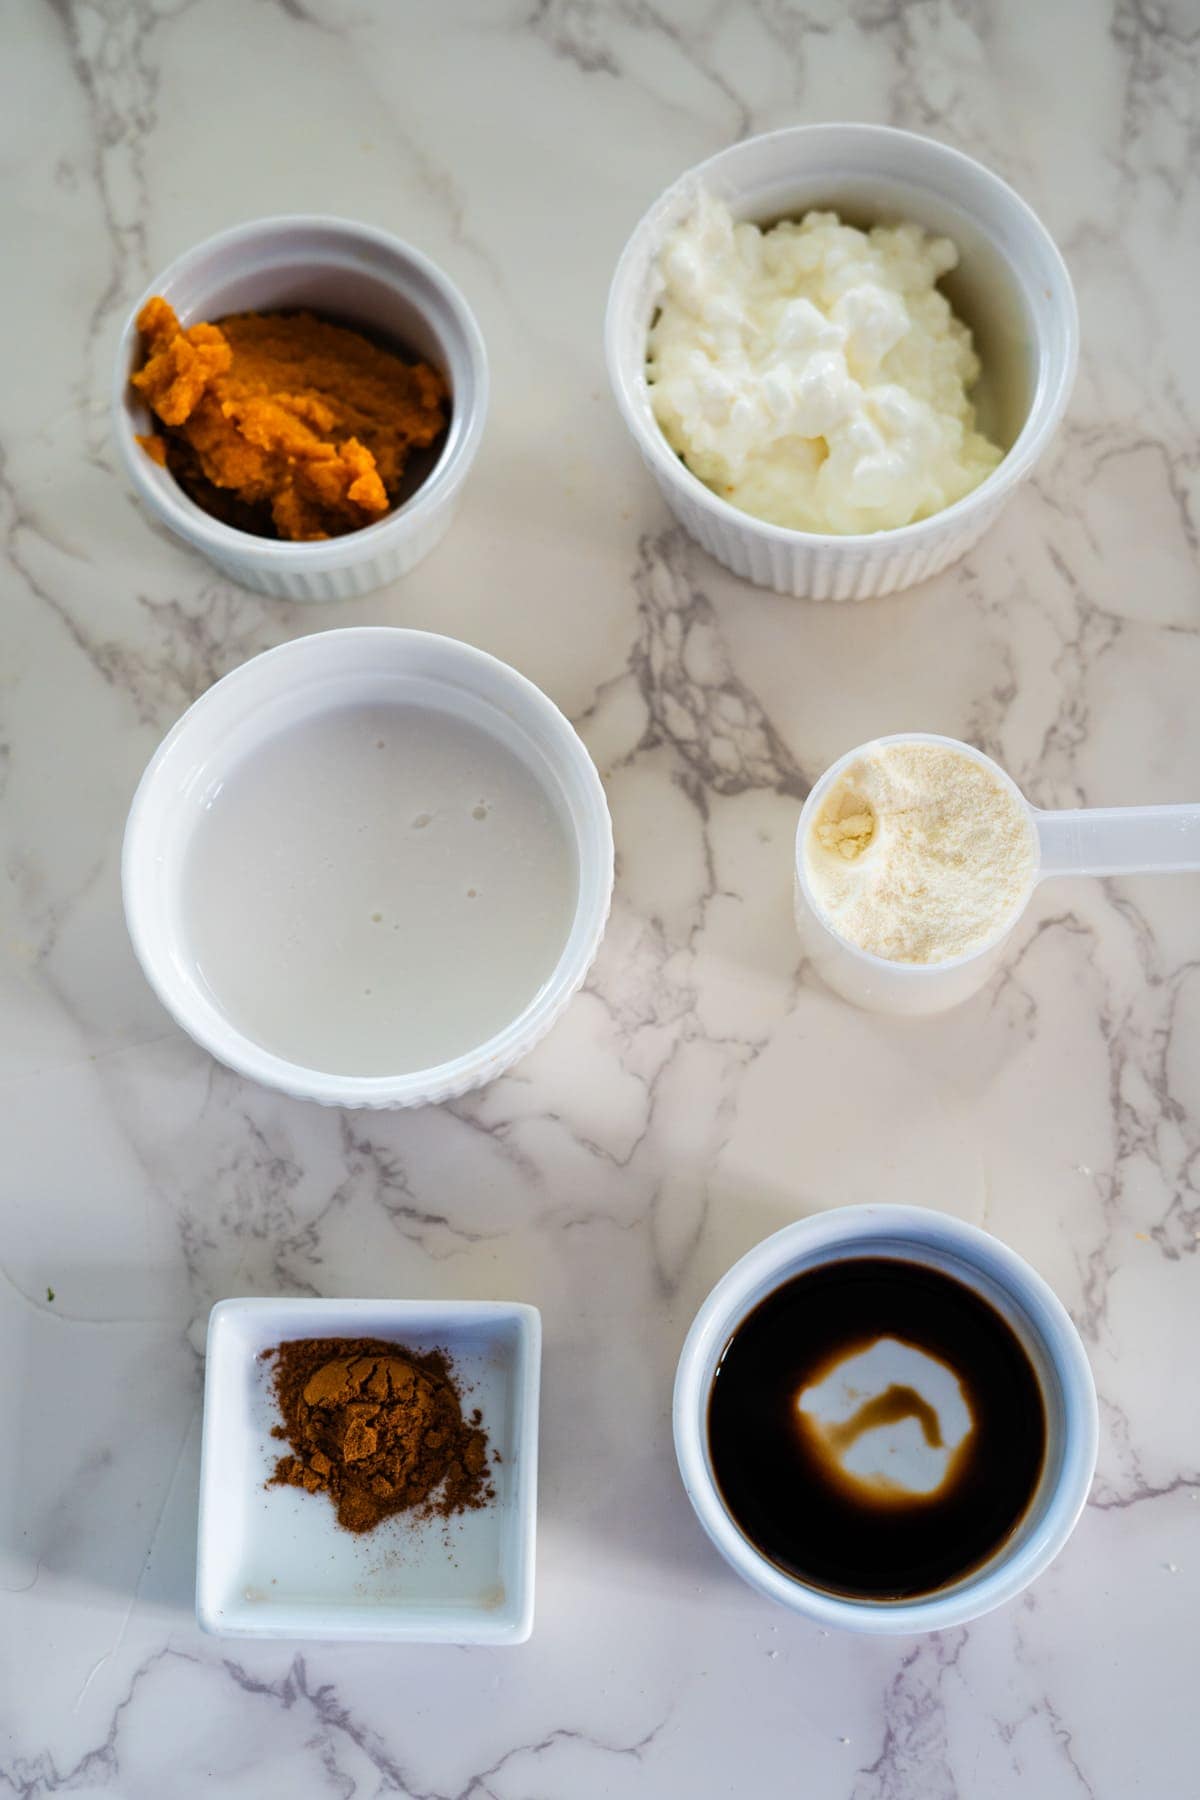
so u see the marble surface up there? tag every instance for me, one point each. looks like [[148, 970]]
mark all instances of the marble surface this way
[[703, 1089]]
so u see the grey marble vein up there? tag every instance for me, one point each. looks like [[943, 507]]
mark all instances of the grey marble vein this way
[[703, 1088]]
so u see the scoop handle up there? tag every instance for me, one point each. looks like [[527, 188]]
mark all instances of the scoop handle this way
[[1119, 840]]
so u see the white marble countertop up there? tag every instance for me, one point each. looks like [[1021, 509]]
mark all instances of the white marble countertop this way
[[703, 1089]]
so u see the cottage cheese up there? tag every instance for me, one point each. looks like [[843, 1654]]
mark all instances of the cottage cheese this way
[[812, 374]]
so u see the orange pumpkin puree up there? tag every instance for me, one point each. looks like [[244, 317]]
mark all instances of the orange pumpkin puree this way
[[282, 424]]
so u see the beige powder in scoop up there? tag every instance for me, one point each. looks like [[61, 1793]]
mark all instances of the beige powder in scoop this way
[[919, 854]]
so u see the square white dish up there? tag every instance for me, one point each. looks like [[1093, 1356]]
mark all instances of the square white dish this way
[[272, 1562]]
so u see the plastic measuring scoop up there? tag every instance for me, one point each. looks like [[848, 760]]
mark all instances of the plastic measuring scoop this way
[[1118, 840], [1115, 840]]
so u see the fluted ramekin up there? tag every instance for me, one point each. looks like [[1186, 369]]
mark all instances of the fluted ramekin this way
[[869, 172], [228, 725], [355, 274]]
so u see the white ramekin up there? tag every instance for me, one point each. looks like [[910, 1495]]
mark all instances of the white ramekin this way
[[868, 172], [275, 691], [357, 275], [870, 981], [1031, 1308]]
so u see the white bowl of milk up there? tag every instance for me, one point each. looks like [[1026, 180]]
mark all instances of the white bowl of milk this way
[[369, 868]]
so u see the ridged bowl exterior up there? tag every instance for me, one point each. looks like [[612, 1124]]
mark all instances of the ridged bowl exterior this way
[[353, 579], [350, 271], [819, 571], [900, 175]]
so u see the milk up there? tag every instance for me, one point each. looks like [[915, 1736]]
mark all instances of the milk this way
[[378, 890]]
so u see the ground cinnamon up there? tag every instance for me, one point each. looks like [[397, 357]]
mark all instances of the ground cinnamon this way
[[378, 1428]]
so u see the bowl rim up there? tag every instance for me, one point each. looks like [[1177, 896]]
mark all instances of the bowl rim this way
[[229, 1045], [1047, 403], [845, 1231], [210, 535]]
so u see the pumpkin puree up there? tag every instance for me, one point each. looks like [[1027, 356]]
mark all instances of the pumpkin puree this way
[[282, 424]]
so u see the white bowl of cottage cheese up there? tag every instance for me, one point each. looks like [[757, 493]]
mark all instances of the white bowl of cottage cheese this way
[[839, 348]]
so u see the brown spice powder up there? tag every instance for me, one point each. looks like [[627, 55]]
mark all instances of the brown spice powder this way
[[379, 1429]]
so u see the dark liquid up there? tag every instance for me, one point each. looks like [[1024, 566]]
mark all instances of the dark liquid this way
[[784, 1484]]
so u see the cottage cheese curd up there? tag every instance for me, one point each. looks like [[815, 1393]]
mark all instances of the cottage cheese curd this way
[[812, 374]]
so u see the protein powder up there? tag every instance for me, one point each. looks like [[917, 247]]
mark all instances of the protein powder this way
[[919, 853]]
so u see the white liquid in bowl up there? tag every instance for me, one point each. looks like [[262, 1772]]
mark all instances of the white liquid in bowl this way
[[378, 890]]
